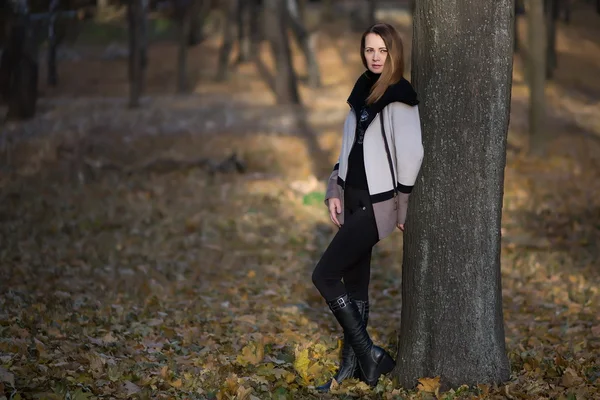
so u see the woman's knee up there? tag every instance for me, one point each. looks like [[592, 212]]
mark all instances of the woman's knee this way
[[317, 277]]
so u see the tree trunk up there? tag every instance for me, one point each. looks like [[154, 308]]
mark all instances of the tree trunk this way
[[228, 37], [452, 320], [197, 20], [19, 71], [372, 8], [286, 85], [551, 17], [255, 31], [52, 44], [536, 75], [243, 15], [519, 10], [567, 10], [327, 11], [135, 20], [307, 44], [184, 35]]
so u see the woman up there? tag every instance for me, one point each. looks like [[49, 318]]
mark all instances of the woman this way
[[367, 195]]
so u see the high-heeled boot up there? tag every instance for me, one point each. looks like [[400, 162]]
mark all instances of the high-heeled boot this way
[[348, 365], [372, 360]]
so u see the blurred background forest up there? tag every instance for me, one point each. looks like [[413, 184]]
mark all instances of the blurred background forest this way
[[162, 171]]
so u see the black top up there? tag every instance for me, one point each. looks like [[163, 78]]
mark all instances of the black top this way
[[401, 91]]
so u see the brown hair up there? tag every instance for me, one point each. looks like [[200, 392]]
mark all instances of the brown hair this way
[[393, 69]]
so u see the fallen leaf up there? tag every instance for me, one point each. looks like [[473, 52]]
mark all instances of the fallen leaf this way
[[429, 385], [570, 378], [252, 353], [7, 377], [131, 388], [177, 383]]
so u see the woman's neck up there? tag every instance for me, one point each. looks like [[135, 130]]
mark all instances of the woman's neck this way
[[372, 75]]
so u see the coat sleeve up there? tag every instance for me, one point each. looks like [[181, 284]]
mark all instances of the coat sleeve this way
[[406, 126], [333, 190]]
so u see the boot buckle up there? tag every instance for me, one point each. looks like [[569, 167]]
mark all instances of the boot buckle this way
[[341, 302]]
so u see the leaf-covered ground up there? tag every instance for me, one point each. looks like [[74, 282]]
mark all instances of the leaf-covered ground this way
[[125, 283]]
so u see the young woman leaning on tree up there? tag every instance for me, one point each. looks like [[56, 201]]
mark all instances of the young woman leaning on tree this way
[[367, 195]]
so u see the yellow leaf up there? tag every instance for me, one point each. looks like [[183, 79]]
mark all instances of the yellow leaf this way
[[301, 363], [251, 274], [243, 393], [290, 377], [334, 384], [429, 385], [163, 372], [252, 353], [177, 384]]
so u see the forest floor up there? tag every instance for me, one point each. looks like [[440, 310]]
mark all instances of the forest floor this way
[[122, 277]]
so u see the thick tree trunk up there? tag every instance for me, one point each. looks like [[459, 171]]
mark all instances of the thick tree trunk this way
[[135, 18], [536, 75], [306, 42], [452, 320], [551, 17], [286, 85], [228, 38]]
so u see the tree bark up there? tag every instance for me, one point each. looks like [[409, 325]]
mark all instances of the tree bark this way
[[551, 56], [255, 31], [228, 38], [307, 44], [371, 9], [19, 67], [52, 77], [536, 75], [286, 85], [452, 320], [327, 11], [184, 35], [243, 15], [135, 18]]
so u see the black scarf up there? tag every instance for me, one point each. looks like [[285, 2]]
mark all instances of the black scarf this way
[[401, 91]]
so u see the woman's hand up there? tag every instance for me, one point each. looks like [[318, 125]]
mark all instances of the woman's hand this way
[[401, 227], [335, 208]]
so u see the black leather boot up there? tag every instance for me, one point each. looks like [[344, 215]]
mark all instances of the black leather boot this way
[[348, 365], [372, 360]]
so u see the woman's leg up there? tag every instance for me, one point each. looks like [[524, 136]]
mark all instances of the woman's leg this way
[[349, 252], [357, 278]]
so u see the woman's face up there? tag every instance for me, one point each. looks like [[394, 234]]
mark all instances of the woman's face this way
[[375, 52]]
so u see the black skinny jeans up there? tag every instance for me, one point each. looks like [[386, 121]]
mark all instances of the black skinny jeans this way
[[348, 256]]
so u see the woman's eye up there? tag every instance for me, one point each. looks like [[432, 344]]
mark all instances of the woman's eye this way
[[384, 51]]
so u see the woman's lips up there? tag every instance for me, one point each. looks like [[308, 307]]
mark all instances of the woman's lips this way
[[376, 66]]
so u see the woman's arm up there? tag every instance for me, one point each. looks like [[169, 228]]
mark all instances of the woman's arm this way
[[406, 128], [333, 191]]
